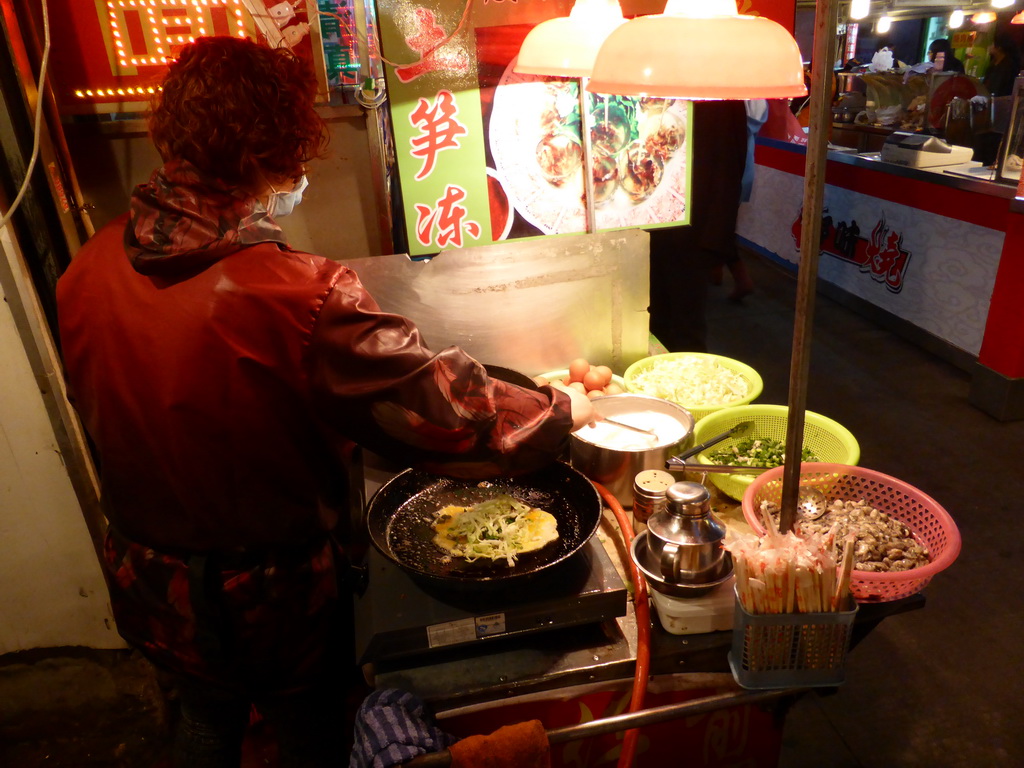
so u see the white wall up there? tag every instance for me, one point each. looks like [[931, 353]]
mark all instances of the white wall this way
[[338, 217], [51, 588]]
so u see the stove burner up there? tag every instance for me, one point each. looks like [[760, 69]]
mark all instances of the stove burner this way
[[397, 616]]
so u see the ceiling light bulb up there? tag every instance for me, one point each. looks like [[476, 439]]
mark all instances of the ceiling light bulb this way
[[883, 25], [859, 8], [956, 19], [1002, 3]]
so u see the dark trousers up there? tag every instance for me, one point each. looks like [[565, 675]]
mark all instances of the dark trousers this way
[[679, 293], [309, 727], [235, 630]]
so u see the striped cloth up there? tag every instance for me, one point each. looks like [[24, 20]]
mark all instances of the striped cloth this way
[[392, 727]]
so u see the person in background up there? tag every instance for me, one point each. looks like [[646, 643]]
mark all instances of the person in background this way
[[992, 112], [684, 258], [798, 105], [222, 376], [950, 63], [1004, 65]]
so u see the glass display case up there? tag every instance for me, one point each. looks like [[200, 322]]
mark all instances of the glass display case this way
[[911, 101]]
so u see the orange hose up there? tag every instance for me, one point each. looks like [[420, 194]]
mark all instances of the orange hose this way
[[643, 627]]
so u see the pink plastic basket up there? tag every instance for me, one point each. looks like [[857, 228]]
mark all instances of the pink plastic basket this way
[[929, 522]]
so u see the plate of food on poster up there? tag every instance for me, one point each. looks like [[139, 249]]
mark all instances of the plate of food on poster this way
[[638, 154]]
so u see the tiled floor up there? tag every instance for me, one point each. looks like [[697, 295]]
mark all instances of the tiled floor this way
[[935, 687]]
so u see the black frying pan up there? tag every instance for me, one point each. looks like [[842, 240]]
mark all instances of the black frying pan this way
[[511, 376], [400, 515]]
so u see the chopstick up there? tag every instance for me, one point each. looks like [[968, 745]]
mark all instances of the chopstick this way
[[845, 571]]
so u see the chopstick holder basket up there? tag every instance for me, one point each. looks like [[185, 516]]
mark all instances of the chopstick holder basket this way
[[790, 650]]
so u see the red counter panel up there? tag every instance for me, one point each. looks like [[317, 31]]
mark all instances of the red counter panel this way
[[922, 251]]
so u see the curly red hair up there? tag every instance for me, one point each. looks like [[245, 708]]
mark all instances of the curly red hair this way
[[239, 111]]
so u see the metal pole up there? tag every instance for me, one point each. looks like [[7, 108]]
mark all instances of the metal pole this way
[[826, 19], [588, 166], [629, 720]]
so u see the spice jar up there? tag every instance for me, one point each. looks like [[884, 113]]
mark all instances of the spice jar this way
[[649, 489]]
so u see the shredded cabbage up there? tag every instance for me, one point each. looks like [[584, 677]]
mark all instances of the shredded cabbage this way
[[691, 381], [494, 529]]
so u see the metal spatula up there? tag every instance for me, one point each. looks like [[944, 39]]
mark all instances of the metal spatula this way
[[675, 463], [736, 429]]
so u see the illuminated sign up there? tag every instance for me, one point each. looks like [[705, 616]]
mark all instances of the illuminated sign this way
[[143, 33], [109, 55]]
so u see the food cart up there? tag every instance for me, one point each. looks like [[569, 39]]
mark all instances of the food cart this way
[[564, 648]]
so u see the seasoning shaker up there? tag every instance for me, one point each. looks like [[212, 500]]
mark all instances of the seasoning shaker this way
[[649, 488]]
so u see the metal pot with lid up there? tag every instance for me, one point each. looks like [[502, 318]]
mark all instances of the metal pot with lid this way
[[681, 551]]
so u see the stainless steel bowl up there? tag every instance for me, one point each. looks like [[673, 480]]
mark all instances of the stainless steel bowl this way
[[649, 564], [616, 468]]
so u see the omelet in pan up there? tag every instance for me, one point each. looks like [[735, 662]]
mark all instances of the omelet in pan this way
[[497, 529]]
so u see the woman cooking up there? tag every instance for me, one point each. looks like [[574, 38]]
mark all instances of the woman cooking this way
[[221, 374]]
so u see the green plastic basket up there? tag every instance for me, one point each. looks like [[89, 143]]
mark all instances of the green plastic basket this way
[[828, 440], [698, 411]]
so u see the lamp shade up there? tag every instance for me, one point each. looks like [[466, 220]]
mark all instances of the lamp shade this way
[[684, 56], [567, 46], [674, 56]]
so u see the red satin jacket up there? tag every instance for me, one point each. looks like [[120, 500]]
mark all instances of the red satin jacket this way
[[218, 373], [215, 370]]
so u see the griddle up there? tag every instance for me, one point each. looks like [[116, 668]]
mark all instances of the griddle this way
[[399, 618]]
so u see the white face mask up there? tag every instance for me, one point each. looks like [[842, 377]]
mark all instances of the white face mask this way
[[283, 203]]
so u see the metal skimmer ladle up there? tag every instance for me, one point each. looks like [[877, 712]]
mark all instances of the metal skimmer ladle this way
[[810, 503]]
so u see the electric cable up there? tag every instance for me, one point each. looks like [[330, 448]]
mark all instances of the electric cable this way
[[38, 121], [642, 611]]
